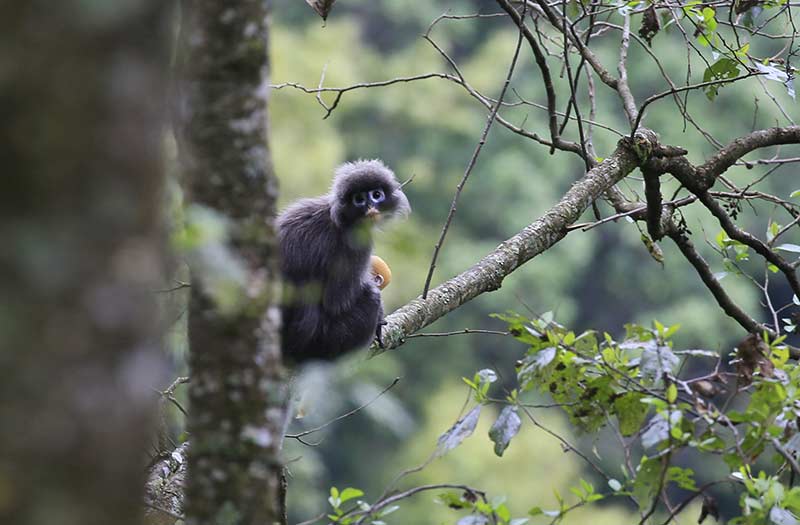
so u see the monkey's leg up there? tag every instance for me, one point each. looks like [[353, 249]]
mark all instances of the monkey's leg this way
[[379, 327], [355, 327]]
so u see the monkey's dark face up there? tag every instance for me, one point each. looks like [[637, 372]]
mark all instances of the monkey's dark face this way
[[370, 204], [365, 193]]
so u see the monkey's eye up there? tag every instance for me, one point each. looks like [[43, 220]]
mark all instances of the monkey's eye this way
[[377, 196], [359, 199]]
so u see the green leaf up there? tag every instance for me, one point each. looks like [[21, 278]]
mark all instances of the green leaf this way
[[646, 483], [672, 393], [350, 493], [683, 477], [503, 513], [630, 412], [535, 511], [452, 500], [722, 239], [772, 230], [587, 487], [723, 69], [742, 51], [671, 331], [334, 499], [504, 429], [794, 248], [614, 485]]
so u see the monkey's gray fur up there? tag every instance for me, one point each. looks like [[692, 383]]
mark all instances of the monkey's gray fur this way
[[332, 303]]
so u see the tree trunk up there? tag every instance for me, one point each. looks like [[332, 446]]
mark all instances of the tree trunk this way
[[237, 387], [82, 86]]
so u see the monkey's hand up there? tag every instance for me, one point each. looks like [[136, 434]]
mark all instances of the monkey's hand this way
[[379, 332]]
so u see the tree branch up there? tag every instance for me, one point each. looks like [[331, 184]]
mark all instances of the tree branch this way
[[723, 299], [488, 274], [727, 156], [541, 61], [164, 488]]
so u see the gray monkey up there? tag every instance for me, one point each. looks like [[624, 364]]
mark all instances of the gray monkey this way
[[332, 303]]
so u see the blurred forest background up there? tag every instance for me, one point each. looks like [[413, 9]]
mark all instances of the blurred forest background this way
[[601, 279]]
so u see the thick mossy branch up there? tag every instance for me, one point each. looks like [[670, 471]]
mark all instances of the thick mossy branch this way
[[488, 274], [164, 489]]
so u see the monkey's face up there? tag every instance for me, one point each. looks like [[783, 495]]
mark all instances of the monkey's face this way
[[364, 193], [369, 203]]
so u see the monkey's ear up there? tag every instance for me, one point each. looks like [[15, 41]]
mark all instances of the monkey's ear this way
[[380, 272], [402, 207]]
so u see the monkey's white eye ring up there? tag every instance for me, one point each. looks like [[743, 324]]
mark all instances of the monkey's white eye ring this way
[[377, 196], [359, 199]]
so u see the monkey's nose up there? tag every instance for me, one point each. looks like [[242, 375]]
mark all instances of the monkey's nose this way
[[373, 213]]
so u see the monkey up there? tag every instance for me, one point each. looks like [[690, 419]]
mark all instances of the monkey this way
[[332, 302]]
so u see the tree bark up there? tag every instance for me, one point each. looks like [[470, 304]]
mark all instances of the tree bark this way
[[237, 388], [83, 90]]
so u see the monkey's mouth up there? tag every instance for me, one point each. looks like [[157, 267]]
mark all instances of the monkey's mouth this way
[[373, 214]]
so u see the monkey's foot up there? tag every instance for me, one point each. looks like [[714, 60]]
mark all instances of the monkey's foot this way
[[379, 332]]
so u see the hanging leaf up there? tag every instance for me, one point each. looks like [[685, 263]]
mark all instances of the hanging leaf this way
[[487, 375], [780, 516], [710, 508], [650, 25], [322, 7], [656, 361], [504, 429], [459, 432], [657, 431], [778, 75]]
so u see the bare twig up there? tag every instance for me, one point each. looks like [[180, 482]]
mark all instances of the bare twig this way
[[345, 415], [458, 332], [471, 166], [339, 92]]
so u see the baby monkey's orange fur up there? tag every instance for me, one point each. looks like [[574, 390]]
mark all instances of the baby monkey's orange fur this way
[[381, 272]]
